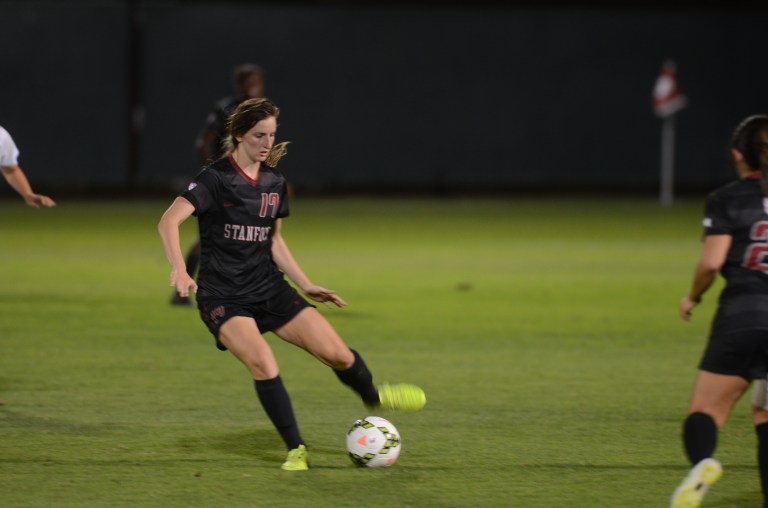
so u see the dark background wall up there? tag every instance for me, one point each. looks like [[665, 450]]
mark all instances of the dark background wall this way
[[379, 97]]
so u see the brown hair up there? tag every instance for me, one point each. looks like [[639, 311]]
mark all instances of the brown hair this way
[[751, 139], [247, 114]]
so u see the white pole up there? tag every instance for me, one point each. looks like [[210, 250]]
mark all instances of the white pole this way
[[666, 193]]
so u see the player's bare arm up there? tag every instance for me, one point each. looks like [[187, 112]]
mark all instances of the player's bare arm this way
[[179, 211], [711, 262], [284, 260], [16, 179]]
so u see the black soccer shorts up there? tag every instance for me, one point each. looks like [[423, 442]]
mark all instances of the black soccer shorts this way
[[269, 314], [742, 354]]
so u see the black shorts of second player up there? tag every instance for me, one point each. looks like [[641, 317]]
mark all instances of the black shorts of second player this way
[[269, 314], [743, 353]]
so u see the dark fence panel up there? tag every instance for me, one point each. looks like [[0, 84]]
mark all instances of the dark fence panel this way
[[63, 91], [389, 98]]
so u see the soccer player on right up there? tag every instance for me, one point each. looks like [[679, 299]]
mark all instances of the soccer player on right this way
[[735, 245]]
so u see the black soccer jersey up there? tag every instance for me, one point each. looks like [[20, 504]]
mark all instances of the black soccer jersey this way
[[740, 210], [236, 216]]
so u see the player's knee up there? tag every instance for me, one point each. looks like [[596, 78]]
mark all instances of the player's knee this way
[[261, 368], [718, 414], [259, 371], [340, 358]]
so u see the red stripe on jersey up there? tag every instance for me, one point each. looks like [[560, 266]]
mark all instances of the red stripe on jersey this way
[[248, 179]]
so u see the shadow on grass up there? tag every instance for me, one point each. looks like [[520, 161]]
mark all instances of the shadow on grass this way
[[753, 499], [260, 444], [680, 468], [263, 444], [44, 424]]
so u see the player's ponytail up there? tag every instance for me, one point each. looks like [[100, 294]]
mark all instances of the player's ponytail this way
[[245, 116], [277, 153], [751, 139]]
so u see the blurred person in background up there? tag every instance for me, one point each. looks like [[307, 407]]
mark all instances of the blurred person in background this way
[[735, 246], [242, 289], [249, 84], [9, 166]]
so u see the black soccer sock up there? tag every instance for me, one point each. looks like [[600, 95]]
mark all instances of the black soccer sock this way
[[274, 398], [699, 437], [360, 379], [762, 457]]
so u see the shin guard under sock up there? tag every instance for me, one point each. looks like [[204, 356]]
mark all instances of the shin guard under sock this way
[[360, 379], [699, 437], [276, 403]]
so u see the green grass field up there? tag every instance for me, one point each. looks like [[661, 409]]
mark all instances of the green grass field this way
[[544, 332]]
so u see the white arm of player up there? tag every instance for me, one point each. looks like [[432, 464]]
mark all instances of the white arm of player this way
[[16, 179], [168, 227]]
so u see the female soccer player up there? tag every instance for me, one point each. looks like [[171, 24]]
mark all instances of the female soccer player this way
[[249, 84], [241, 290], [735, 245]]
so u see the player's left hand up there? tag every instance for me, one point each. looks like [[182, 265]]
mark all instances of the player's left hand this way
[[686, 306], [324, 296], [38, 200]]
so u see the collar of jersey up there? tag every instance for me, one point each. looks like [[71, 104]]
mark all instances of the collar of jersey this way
[[247, 178]]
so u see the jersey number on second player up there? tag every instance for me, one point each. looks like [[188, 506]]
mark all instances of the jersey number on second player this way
[[754, 257]]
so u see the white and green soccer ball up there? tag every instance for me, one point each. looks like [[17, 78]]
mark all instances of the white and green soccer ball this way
[[373, 442]]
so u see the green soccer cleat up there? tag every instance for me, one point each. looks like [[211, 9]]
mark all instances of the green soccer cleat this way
[[298, 460], [691, 492], [402, 397]]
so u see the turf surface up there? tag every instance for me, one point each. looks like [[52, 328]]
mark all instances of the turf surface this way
[[543, 331]]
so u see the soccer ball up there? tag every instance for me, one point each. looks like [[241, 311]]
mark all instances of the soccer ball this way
[[373, 442]]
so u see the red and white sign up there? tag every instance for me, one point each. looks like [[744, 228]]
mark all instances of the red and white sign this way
[[667, 97]]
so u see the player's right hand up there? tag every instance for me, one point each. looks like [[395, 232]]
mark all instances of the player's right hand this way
[[38, 200], [686, 306], [183, 282]]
